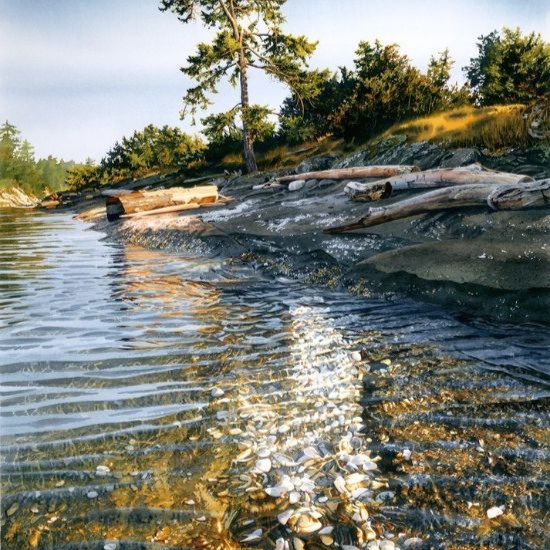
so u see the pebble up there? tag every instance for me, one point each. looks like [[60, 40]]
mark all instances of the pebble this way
[[255, 535], [386, 545], [102, 470], [296, 185], [110, 546], [12, 509], [356, 356], [92, 494], [294, 497], [495, 511], [201, 519], [264, 465], [283, 517], [217, 392], [413, 542]]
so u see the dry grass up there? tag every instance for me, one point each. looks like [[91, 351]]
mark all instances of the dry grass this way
[[492, 128], [284, 156]]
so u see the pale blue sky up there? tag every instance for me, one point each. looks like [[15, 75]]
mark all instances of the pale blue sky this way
[[77, 75]]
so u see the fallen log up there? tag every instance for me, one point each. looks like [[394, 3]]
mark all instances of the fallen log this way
[[178, 208], [49, 204], [144, 201], [349, 173], [502, 197], [430, 179], [164, 210]]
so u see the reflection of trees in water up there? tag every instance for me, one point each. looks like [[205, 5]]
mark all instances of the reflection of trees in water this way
[[18, 253]]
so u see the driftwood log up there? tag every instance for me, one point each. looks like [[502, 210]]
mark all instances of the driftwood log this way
[[349, 173], [430, 179], [502, 197], [145, 201]]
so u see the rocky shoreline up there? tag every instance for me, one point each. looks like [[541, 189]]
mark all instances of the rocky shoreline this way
[[474, 260], [16, 198]]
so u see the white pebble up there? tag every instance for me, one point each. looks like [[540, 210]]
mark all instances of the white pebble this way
[[110, 546], [255, 535], [413, 542], [216, 392], [356, 356], [296, 185], [294, 497], [283, 517], [495, 511], [264, 465], [92, 494]]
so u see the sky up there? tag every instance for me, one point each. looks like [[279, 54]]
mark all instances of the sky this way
[[77, 75]]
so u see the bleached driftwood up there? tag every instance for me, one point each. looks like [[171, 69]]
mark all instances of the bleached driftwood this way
[[164, 210], [430, 179], [349, 173], [178, 208], [144, 201], [501, 197]]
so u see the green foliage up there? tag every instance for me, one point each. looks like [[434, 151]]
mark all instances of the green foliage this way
[[509, 68], [152, 150], [248, 35], [225, 135], [19, 168], [83, 176], [382, 88]]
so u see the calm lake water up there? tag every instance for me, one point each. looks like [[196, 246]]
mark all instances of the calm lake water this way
[[153, 400]]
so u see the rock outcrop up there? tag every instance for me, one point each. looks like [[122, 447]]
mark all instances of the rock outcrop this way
[[15, 198], [475, 260]]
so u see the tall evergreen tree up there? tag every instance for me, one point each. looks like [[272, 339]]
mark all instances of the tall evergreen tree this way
[[248, 35]]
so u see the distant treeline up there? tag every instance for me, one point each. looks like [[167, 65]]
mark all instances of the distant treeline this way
[[18, 167], [381, 89]]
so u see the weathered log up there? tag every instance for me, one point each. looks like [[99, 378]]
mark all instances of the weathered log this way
[[502, 197], [164, 210], [178, 208], [49, 204], [143, 201], [430, 179], [348, 173]]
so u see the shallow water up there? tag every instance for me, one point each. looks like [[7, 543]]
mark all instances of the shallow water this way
[[154, 400]]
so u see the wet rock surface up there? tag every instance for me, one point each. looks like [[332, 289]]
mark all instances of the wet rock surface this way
[[494, 263]]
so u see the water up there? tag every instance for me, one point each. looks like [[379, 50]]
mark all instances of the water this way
[[160, 401]]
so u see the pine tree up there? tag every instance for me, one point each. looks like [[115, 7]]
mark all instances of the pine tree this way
[[248, 35]]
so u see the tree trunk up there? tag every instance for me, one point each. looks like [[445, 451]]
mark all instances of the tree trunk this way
[[430, 179], [144, 201], [503, 197], [248, 145], [384, 171]]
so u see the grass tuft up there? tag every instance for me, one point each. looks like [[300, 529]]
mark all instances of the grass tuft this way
[[492, 128]]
